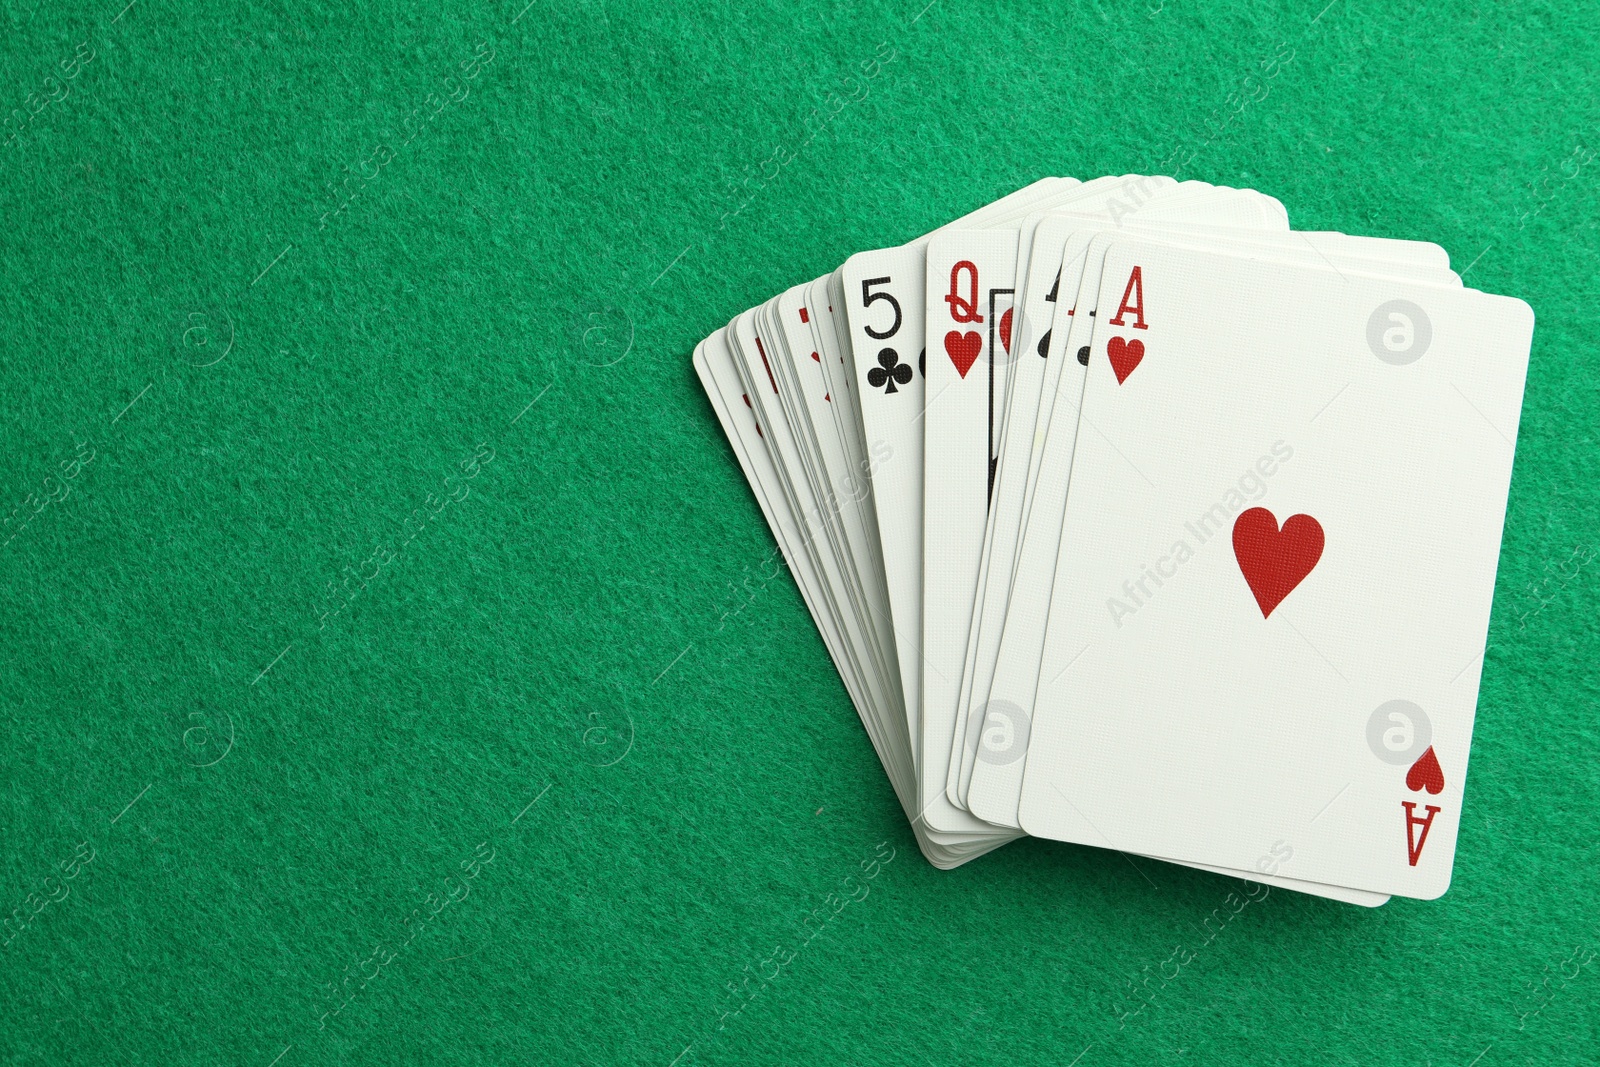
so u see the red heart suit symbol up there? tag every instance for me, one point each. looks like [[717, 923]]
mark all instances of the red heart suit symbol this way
[[1426, 774], [1274, 561], [963, 349], [1005, 329], [1124, 356]]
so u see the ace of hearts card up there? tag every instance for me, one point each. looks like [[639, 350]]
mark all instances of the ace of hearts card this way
[[1282, 531]]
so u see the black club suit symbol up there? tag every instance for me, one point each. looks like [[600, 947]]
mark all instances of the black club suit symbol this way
[[888, 372]]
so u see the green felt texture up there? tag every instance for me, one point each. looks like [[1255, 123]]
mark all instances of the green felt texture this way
[[469, 604]]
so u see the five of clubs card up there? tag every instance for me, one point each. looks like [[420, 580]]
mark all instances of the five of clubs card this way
[[1132, 517]]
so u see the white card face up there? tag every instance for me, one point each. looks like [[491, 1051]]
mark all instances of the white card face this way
[[956, 773], [1277, 562], [884, 305], [971, 281]]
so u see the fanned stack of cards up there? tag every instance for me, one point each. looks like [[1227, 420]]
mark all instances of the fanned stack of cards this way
[[1133, 518]]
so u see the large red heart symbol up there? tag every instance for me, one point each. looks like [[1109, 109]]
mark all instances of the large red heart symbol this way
[[1274, 561], [1124, 356], [1005, 329], [963, 349], [1426, 774]]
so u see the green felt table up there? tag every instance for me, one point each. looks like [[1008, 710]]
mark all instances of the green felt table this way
[[391, 667]]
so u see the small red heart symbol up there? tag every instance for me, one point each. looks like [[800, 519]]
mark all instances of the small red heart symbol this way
[[963, 349], [1426, 774], [1005, 329], [1124, 356], [1274, 561]]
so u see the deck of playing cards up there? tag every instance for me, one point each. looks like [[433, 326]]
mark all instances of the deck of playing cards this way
[[1133, 518]]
